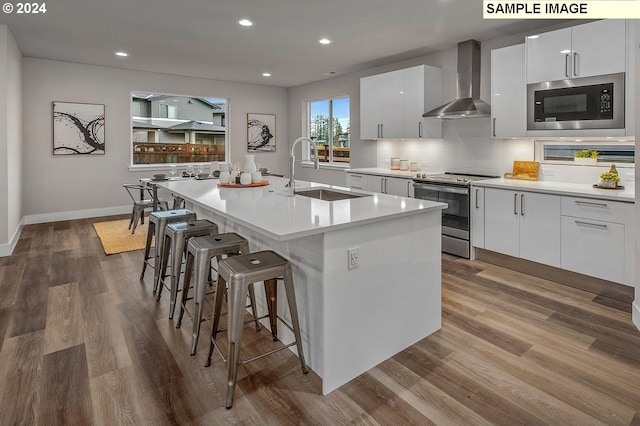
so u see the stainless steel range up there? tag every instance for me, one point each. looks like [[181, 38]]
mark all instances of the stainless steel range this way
[[453, 189]]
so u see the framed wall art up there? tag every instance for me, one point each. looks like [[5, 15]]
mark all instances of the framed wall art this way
[[78, 128], [261, 132]]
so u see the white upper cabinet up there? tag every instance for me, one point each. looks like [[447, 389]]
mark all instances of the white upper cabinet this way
[[392, 104], [508, 92], [585, 50]]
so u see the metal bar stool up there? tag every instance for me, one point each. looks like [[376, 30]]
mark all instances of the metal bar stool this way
[[157, 224], [140, 205], [200, 251], [239, 272], [175, 242]]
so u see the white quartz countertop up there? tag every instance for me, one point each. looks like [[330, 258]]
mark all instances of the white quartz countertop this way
[[561, 188], [270, 211], [380, 171]]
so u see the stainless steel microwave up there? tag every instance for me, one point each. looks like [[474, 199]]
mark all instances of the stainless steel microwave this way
[[578, 103]]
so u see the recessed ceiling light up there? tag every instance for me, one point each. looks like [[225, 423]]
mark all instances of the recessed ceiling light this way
[[122, 54], [266, 74], [245, 22], [324, 41]]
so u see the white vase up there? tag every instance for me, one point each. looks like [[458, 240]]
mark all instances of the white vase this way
[[249, 164], [611, 184]]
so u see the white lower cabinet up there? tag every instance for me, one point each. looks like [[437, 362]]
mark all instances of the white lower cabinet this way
[[593, 247], [523, 224], [477, 217], [589, 236], [593, 238], [381, 184]]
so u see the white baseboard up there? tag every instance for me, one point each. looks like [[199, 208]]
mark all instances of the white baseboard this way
[[7, 249], [76, 214], [635, 313]]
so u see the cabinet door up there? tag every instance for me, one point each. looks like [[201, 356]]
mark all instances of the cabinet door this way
[[540, 227], [599, 48], [501, 221], [413, 81], [549, 56], [398, 186], [508, 92], [370, 111], [477, 217], [375, 183], [391, 88], [593, 247]]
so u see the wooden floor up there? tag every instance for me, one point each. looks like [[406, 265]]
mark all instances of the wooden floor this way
[[82, 341]]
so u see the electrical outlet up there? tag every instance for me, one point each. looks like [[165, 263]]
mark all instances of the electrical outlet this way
[[353, 260]]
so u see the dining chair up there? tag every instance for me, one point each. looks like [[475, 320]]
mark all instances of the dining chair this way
[[138, 194]]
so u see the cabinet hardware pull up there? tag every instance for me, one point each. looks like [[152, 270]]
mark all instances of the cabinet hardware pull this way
[[515, 203], [575, 64], [494, 128], [521, 204], [382, 131], [378, 130], [597, 225], [408, 188], [420, 129], [386, 186], [587, 203], [382, 185], [566, 65], [477, 192]]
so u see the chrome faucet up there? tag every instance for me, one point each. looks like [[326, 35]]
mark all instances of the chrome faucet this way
[[292, 160]]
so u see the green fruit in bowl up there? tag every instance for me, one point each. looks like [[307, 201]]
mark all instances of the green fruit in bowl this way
[[613, 177]]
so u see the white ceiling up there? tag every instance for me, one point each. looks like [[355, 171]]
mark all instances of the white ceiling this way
[[201, 38]]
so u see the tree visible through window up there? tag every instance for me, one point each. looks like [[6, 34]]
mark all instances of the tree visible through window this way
[[329, 128]]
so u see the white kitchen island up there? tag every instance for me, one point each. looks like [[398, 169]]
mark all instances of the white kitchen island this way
[[351, 319]]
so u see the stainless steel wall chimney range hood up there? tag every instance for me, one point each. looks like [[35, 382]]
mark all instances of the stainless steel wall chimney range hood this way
[[468, 104]]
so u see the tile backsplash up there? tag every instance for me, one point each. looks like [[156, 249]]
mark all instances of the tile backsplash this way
[[466, 147]]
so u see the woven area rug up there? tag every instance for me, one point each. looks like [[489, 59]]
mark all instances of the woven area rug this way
[[116, 238]]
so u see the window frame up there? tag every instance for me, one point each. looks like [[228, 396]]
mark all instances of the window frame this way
[[163, 166], [581, 144], [307, 125]]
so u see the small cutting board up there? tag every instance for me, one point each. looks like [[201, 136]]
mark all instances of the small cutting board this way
[[524, 170]]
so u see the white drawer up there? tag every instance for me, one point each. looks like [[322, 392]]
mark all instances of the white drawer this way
[[608, 211], [356, 181], [593, 248]]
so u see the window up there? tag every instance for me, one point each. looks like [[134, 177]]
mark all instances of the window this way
[[168, 111], [329, 127], [177, 129], [620, 152]]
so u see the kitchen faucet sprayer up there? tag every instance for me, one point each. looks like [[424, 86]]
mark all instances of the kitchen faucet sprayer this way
[[292, 160]]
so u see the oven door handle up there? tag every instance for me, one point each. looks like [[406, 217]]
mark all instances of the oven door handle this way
[[440, 188]]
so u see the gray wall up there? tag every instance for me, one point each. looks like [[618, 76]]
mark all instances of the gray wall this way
[[10, 141], [64, 187]]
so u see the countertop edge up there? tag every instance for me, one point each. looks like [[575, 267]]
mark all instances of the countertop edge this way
[[560, 188]]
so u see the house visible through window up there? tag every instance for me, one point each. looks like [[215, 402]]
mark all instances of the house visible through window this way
[[329, 127], [168, 111], [177, 129]]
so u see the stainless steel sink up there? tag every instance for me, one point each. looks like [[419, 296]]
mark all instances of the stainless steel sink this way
[[329, 194]]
